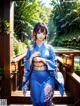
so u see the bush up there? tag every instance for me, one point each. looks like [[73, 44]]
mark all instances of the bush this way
[[71, 39], [19, 47]]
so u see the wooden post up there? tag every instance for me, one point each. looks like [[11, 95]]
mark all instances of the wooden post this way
[[7, 46], [1, 37], [7, 51]]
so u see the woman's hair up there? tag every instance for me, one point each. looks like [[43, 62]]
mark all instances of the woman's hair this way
[[40, 27]]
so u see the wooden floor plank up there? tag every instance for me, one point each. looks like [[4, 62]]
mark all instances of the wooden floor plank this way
[[32, 105], [20, 94], [17, 97], [20, 105]]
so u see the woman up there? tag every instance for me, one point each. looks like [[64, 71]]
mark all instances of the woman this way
[[40, 68]]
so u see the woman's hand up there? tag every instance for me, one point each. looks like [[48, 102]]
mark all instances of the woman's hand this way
[[43, 60], [34, 55]]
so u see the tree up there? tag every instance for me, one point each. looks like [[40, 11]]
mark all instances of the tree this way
[[66, 15], [26, 13]]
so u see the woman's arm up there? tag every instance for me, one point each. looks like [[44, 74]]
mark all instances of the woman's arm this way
[[27, 66], [51, 62]]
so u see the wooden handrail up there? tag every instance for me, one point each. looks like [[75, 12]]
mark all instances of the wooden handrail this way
[[75, 77], [16, 67], [59, 59], [18, 58], [75, 53]]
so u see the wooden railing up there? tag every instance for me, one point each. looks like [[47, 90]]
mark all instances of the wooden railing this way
[[17, 66], [75, 53], [72, 80]]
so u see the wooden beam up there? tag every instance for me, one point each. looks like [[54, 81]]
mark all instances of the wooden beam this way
[[1, 37], [7, 48]]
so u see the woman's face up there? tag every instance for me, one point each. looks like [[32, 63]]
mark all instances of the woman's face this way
[[41, 36]]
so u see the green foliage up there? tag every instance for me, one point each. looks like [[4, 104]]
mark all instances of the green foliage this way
[[71, 39], [77, 72], [27, 14], [77, 65], [66, 15], [28, 42], [51, 27], [65, 20], [4, 26], [1, 71], [44, 13], [19, 47]]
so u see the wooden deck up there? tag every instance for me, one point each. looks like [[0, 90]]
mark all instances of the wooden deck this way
[[17, 99], [19, 93], [32, 105]]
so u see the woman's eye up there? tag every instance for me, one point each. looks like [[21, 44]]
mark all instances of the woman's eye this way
[[38, 32]]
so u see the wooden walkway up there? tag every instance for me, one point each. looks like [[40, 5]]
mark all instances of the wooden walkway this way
[[32, 105], [17, 97]]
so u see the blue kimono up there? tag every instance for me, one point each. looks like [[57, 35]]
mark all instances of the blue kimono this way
[[42, 82]]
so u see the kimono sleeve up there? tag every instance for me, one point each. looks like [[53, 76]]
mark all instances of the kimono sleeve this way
[[59, 80], [51, 63], [27, 66]]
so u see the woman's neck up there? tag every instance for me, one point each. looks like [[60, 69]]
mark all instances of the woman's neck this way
[[39, 42]]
